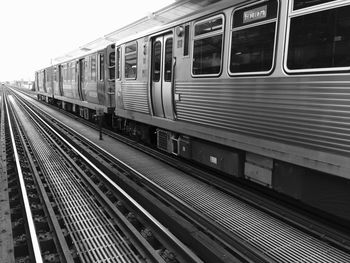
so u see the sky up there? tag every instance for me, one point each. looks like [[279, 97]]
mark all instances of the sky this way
[[32, 32]]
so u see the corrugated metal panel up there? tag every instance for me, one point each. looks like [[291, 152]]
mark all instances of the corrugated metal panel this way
[[135, 97], [313, 114], [163, 16]]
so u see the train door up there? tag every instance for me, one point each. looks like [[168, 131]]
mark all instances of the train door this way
[[44, 80], [60, 80], [162, 76], [81, 78]]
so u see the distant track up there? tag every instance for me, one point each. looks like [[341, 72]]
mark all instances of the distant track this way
[[88, 215]]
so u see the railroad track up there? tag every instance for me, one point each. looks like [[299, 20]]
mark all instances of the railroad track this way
[[320, 225], [261, 235], [88, 226]]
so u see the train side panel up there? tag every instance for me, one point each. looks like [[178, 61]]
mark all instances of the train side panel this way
[[89, 81], [40, 81], [240, 98], [69, 80], [108, 67], [57, 91], [49, 82], [83, 85], [132, 89]]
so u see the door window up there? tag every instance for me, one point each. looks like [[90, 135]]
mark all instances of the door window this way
[[168, 59], [157, 49], [131, 61]]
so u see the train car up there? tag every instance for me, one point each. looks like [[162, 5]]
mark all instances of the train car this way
[[44, 84], [81, 85], [256, 89], [40, 83]]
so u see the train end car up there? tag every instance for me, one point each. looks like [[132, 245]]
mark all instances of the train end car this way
[[44, 84], [83, 85]]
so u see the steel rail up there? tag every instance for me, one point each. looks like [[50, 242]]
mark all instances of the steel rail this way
[[180, 203], [239, 230], [33, 236], [91, 231], [62, 244], [323, 254], [179, 244]]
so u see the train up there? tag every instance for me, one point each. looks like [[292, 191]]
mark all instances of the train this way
[[258, 90]]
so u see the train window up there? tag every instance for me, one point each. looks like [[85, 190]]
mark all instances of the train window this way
[[186, 39], [207, 46], [64, 74], [55, 73], [118, 69], [101, 67], [93, 67], [208, 26], [130, 59], [47, 75], [156, 61], [298, 4], [112, 66], [72, 71], [253, 38], [68, 72], [168, 59], [319, 41], [86, 71], [112, 59]]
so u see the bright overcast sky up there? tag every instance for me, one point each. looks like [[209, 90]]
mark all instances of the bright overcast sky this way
[[32, 32]]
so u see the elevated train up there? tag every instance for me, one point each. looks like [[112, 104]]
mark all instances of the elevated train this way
[[256, 89], [81, 84]]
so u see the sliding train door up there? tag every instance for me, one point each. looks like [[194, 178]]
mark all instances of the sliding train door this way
[[81, 64], [162, 76]]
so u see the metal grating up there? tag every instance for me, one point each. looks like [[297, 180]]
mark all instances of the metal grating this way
[[276, 239], [162, 139], [92, 232]]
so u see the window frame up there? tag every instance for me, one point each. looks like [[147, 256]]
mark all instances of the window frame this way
[[118, 63], [188, 38], [207, 35], [159, 79], [93, 67], [306, 11], [274, 20], [136, 58], [72, 70], [55, 73], [101, 67], [164, 79], [316, 6]]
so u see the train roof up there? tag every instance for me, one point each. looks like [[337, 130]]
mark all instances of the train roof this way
[[82, 55], [205, 10], [166, 17]]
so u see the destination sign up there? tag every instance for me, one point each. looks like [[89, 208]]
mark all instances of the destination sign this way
[[255, 14]]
